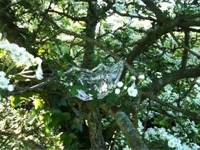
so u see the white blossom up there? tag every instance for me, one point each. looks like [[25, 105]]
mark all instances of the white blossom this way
[[39, 73], [158, 74], [125, 87], [2, 74], [18, 54], [38, 61], [117, 91], [23, 58], [141, 77], [71, 84], [172, 141], [120, 84], [140, 127], [4, 82], [133, 78], [132, 91], [168, 88], [198, 80], [10, 88]]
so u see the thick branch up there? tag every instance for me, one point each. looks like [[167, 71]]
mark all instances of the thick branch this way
[[152, 36], [167, 78], [92, 115], [91, 22], [185, 51], [130, 132], [68, 16], [12, 32], [186, 113], [161, 17]]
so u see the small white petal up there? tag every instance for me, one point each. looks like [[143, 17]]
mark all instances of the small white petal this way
[[132, 91], [10, 88], [120, 84], [141, 77], [117, 91], [198, 80], [133, 78], [2, 74], [125, 87], [71, 84], [158, 74], [38, 60], [4, 83], [39, 73]]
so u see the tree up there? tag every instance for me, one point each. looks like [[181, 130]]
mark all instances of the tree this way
[[112, 74]]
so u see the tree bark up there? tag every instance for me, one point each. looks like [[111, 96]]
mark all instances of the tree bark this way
[[91, 22], [9, 29], [130, 132], [95, 129], [93, 116]]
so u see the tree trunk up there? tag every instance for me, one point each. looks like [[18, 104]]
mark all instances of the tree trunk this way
[[95, 129], [91, 22], [93, 116]]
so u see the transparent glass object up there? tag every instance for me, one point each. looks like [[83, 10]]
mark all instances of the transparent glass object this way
[[103, 79]]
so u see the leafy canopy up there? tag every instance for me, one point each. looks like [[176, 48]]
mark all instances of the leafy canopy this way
[[153, 101]]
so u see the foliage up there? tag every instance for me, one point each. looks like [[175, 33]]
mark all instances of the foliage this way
[[156, 102]]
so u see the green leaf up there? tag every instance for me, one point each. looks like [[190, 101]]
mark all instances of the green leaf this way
[[55, 110], [38, 103], [77, 126], [66, 116], [47, 131], [14, 101], [41, 51], [68, 138]]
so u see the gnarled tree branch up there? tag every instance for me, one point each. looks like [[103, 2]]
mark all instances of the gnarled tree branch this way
[[130, 132], [167, 78]]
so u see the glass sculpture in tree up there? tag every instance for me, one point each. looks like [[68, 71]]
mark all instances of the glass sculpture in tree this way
[[102, 79]]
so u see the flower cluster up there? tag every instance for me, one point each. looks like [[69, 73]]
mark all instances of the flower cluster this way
[[119, 85], [172, 141], [132, 91], [22, 58], [4, 82]]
